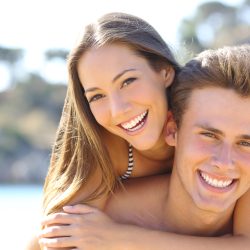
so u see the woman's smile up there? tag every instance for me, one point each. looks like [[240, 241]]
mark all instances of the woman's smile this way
[[135, 124], [126, 95]]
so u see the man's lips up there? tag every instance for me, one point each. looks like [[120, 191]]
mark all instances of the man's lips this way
[[217, 182]]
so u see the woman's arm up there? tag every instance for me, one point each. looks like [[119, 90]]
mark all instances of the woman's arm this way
[[165, 241], [88, 228], [33, 244]]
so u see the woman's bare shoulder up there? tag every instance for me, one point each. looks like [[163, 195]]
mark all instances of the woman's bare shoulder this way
[[137, 194], [118, 152]]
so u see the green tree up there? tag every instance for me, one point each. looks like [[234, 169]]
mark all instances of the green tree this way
[[215, 24], [11, 58], [56, 54], [30, 113]]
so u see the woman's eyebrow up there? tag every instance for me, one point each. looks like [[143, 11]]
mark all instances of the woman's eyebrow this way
[[90, 89], [114, 79], [121, 74]]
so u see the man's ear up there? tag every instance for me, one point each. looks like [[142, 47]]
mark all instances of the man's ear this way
[[169, 74], [170, 130]]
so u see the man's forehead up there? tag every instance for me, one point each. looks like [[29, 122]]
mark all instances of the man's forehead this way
[[218, 108], [211, 96]]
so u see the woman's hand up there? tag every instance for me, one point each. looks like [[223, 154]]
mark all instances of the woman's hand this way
[[82, 227]]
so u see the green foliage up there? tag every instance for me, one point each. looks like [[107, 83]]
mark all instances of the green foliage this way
[[11, 140], [214, 25], [31, 109], [56, 54], [10, 56], [29, 118]]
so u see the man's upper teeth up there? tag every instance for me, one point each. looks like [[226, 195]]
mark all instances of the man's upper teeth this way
[[134, 122], [214, 182]]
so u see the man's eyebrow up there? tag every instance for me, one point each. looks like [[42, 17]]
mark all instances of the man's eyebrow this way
[[217, 131], [209, 128], [245, 136], [114, 79]]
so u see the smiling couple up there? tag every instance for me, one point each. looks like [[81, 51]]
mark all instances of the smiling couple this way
[[116, 107]]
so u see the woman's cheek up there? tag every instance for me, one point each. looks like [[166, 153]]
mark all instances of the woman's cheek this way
[[101, 113]]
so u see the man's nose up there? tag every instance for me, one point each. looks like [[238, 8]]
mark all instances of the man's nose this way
[[223, 157]]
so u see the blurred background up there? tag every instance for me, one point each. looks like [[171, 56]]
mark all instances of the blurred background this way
[[35, 38]]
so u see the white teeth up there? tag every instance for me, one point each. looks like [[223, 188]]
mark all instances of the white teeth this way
[[214, 182], [131, 125]]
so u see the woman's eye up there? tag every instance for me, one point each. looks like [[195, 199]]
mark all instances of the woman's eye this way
[[95, 98], [128, 81]]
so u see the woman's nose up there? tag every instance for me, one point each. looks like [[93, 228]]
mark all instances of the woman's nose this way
[[119, 105]]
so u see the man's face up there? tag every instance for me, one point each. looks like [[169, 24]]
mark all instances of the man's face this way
[[213, 148]]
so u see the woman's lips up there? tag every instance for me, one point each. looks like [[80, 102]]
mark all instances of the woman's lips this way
[[136, 123]]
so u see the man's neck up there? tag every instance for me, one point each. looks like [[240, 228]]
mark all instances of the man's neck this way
[[183, 216]]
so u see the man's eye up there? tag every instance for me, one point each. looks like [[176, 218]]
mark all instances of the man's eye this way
[[244, 143], [209, 135], [128, 81], [95, 98]]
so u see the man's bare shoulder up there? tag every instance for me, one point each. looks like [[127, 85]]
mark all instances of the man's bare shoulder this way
[[137, 197], [241, 215]]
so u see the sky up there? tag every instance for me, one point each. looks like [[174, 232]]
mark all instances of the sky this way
[[39, 25]]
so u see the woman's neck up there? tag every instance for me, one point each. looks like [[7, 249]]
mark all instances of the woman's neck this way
[[161, 151], [157, 160]]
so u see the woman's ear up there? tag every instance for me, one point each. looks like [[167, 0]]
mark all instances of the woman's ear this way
[[169, 74], [170, 130]]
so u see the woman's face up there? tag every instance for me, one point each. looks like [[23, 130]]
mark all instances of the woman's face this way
[[126, 96]]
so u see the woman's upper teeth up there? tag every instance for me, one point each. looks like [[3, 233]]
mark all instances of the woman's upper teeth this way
[[215, 182], [132, 123]]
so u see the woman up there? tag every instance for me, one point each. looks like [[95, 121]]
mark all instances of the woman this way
[[114, 130], [114, 113]]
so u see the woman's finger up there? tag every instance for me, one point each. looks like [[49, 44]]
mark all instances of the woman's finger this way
[[56, 231], [79, 209], [57, 242], [57, 218], [61, 248]]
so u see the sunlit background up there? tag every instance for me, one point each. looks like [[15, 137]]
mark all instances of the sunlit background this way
[[35, 38]]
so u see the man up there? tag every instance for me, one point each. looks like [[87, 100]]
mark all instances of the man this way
[[210, 129], [211, 134]]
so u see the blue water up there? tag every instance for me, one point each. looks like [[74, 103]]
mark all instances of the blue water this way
[[20, 214], [20, 191]]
